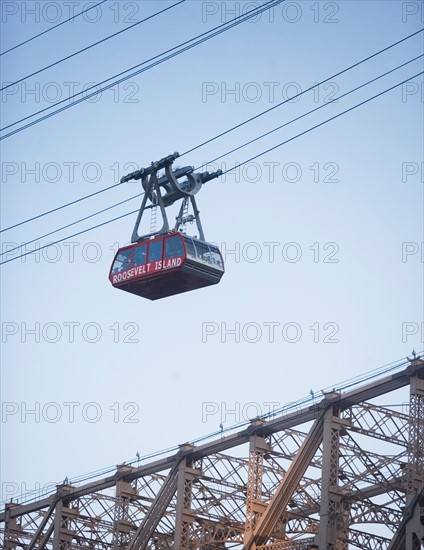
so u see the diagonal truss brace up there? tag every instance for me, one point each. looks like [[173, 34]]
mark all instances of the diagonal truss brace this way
[[399, 540], [294, 474], [37, 534], [155, 512]]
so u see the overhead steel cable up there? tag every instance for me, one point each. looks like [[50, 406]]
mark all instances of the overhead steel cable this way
[[309, 112], [69, 237], [300, 93], [230, 169], [60, 207], [210, 161], [194, 148], [71, 224], [322, 123], [52, 28], [181, 48], [91, 46]]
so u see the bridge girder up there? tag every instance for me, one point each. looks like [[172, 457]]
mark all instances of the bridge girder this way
[[340, 473]]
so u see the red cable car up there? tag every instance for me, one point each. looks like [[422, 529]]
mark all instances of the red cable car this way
[[168, 261], [166, 265]]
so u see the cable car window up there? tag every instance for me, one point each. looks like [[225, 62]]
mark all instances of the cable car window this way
[[155, 251], [202, 251], [191, 253], [174, 247], [215, 257], [140, 254], [122, 262]]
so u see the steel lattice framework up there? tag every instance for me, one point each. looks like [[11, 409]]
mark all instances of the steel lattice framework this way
[[345, 472]]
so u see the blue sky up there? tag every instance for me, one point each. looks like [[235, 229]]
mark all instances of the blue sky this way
[[322, 238]]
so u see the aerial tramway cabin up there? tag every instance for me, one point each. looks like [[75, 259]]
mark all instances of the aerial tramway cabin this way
[[166, 265], [165, 262]]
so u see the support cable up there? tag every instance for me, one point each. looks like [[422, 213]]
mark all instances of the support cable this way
[[52, 28], [215, 137], [90, 46], [209, 162], [184, 46], [236, 166]]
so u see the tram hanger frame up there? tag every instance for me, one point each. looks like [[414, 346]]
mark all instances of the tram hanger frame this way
[[174, 190]]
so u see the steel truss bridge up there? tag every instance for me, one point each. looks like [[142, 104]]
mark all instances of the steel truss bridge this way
[[342, 472]]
